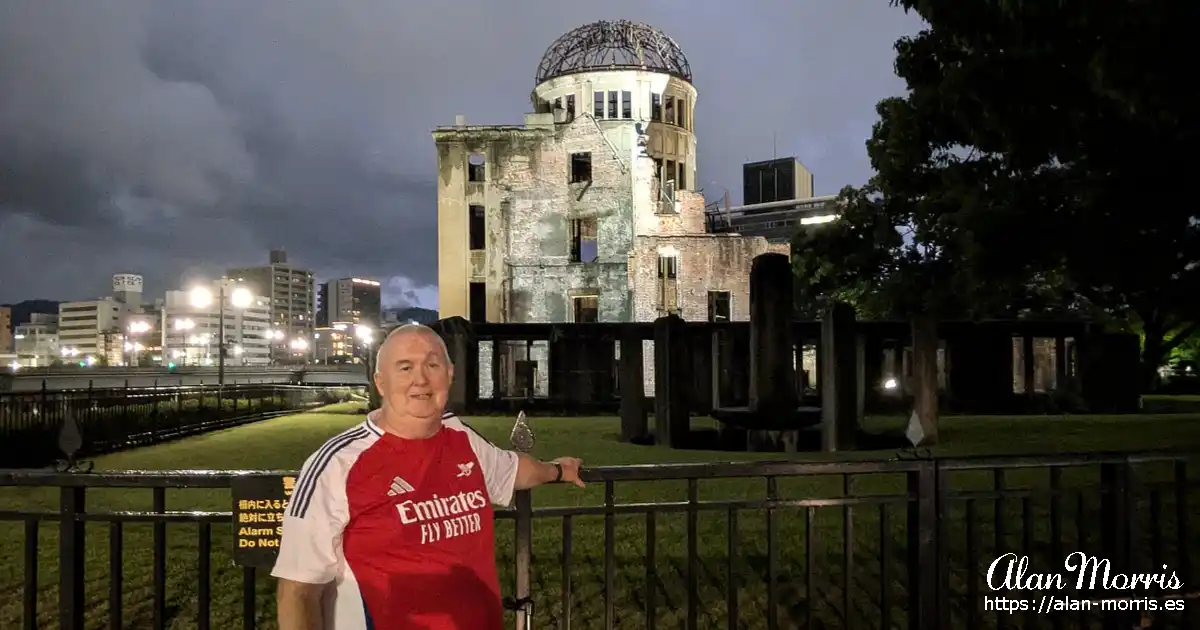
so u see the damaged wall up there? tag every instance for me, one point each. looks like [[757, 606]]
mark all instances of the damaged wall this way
[[706, 262]]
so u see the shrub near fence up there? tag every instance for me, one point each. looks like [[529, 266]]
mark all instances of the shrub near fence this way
[[760, 546], [31, 423]]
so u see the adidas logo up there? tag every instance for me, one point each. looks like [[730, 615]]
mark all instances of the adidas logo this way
[[399, 487]]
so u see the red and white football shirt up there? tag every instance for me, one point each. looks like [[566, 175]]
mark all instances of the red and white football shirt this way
[[402, 528]]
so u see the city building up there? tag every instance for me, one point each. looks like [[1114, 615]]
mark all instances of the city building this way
[[349, 301], [588, 211], [344, 343], [127, 288], [36, 342], [6, 330], [89, 331], [191, 321], [778, 201], [291, 293]]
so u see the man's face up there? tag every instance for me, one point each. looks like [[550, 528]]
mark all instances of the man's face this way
[[414, 376]]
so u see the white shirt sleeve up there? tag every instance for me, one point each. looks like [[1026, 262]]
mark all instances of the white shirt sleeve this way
[[311, 547], [499, 465]]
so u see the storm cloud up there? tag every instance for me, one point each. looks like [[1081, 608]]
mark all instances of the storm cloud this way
[[175, 139]]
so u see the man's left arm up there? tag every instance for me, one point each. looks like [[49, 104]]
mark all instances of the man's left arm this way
[[508, 471], [532, 472]]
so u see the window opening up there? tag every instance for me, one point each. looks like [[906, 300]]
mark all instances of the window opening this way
[[475, 167], [477, 227], [586, 309], [581, 167], [584, 246]]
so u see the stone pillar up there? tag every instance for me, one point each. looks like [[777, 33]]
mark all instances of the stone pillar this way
[[671, 382], [839, 379], [737, 357], [925, 378], [464, 355], [772, 374], [633, 385]]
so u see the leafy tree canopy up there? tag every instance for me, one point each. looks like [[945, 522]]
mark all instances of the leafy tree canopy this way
[[1040, 145]]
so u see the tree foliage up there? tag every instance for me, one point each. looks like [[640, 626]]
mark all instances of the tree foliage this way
[[1040, 144]]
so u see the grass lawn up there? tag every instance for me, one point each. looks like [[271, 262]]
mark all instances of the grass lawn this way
[[810, 540]]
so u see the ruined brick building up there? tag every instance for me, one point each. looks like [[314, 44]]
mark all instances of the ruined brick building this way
[[588, 211]]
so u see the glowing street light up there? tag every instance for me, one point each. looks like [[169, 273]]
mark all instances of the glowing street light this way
[[241, 297], [202, 298], [299, 345]]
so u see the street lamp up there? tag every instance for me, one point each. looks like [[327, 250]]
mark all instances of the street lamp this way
[[136, 329], [202, 298]]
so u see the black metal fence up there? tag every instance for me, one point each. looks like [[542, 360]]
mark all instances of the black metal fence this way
[[32, 423], [905, 543]]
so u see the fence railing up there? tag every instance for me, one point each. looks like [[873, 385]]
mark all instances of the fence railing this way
[[905, 543], [107, 419]]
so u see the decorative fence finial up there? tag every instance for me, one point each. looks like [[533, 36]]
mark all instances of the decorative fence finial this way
[[70, 441], [521, 437]]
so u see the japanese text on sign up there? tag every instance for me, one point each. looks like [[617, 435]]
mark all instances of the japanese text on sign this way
[[259, 504]]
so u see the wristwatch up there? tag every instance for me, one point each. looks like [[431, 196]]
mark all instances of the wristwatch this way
[[558, 477]]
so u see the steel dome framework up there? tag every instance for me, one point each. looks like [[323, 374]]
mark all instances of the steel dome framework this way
[[614, 46]]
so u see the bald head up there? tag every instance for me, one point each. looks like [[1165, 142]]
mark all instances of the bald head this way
[[399, 333]]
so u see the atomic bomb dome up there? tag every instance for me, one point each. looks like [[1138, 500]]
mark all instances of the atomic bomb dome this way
[[620, 45]]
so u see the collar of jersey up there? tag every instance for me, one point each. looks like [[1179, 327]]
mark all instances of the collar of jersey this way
[[374, 427]]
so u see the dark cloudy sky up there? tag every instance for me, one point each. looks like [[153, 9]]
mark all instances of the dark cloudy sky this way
[[174, 139]]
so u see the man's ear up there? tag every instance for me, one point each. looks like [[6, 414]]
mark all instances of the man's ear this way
[[378, 381], [450, 371]]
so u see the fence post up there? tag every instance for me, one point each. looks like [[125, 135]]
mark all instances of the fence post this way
[[1114, 529], [923, 541], [524, 551], [71, 542]]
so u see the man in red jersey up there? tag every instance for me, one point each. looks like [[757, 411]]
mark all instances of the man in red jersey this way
[[390, 524]]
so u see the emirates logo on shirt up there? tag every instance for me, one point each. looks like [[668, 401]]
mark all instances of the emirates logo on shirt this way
[[444, 517]]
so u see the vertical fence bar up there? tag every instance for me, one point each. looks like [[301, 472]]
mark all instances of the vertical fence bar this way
[[524, 550], [1183, 536], [1027, 548], [565, 623], [203, 576], [71, 542], [772, 557], [249, 595], [810, 566], [610, 566], [693, 559], [30, 593], [1114, 514], [847, 555], [1056, 528], [922, 549], [160, 560], [651, 570], [999, 530], [1081, 537], [116, 576], [973, 600], [731, 568], [885, 567]]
